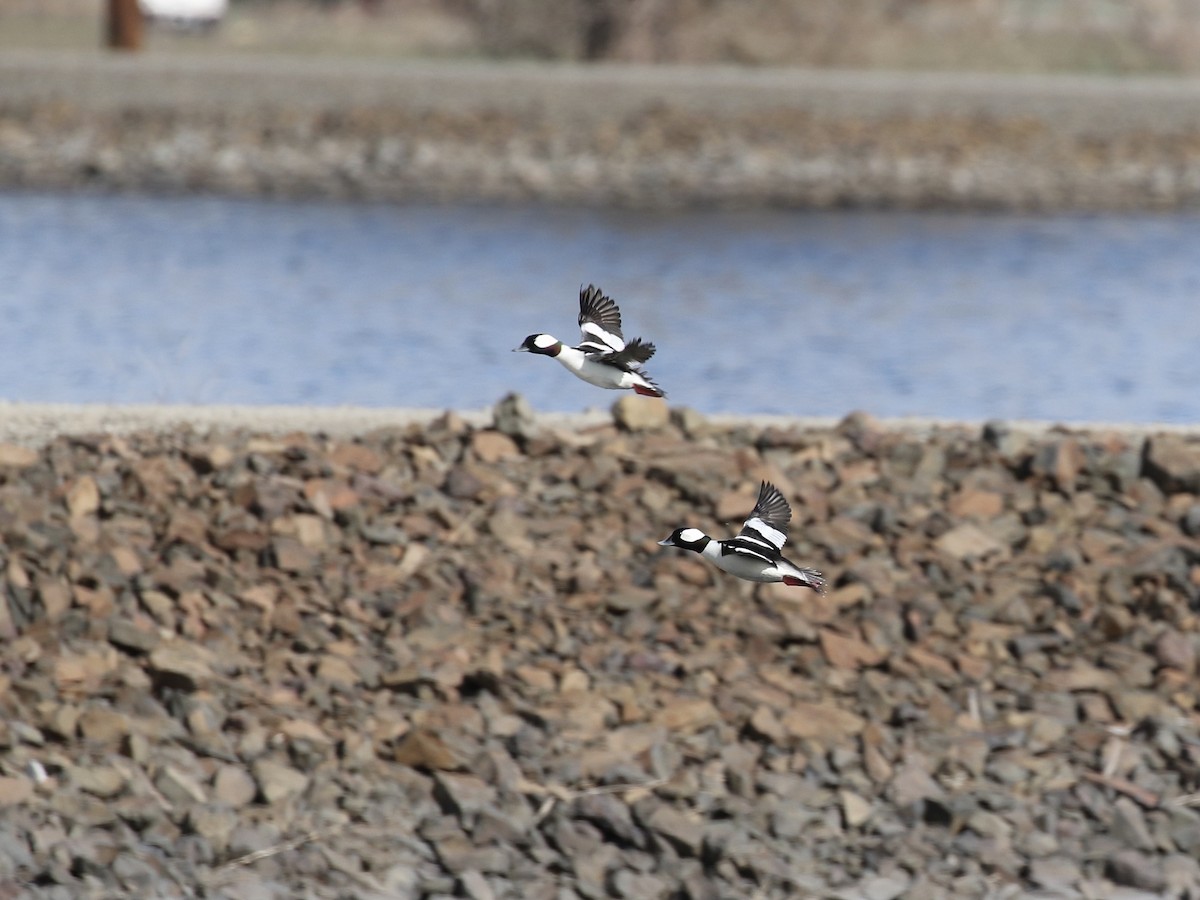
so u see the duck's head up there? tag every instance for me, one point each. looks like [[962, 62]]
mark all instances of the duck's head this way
[[687, 538], [545, 344]]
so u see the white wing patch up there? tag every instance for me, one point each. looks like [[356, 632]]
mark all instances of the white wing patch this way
[[603, 341], [772, 536], [744, 550]]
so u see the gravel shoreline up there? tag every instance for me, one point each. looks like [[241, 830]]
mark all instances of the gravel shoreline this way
[[446, 658], [603, 135]]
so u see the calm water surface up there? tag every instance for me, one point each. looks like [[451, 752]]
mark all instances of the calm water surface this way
[[208, 300]]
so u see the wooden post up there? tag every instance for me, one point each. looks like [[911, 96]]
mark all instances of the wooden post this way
[[124, 25]]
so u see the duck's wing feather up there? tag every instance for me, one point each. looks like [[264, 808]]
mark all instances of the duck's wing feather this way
[[633, 355], [599, 322], [767, 525], [752, 547]]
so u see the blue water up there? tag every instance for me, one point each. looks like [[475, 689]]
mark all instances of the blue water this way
[[208, 300]]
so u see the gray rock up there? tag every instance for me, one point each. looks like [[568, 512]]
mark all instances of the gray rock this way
[[103, 781], [625, 883], [1191, 521], [234, 787], [475, 886], [1129, 825], [1055, 873], [180, 787], [214, 822], [513, 416], [462, 794], [1138, 870], [277, 781], [459, 855], [258, 838], [133, 638], [612, 816], [1182, 874], [684, 831]]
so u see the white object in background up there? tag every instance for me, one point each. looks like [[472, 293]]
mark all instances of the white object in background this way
[[185, 12]]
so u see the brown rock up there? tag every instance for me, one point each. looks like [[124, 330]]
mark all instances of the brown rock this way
[[821, 721], [83, 497], [357, 456], [337, 670], [634, 413], [493, 446], [83, 674], [971, 503], [687, 716], [1173, 463], [126, 560], [844, 652], [734, 506], [967, 541], [103, 781], [422, 749], [292, 556], [15, 790], [309, 530], [856, 810], [14, 456], [55, 595], [766, 724], [101, 725]]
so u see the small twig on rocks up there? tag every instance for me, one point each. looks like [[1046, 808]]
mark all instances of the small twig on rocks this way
[[619, 788], [1145, 797], [566, 794], [1183, 800], [267, 852]]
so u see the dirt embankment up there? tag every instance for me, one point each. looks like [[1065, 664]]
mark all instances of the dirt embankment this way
[[449, 659]]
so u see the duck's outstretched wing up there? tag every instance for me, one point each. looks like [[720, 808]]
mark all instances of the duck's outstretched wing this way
[[600, 322], [768, 521]]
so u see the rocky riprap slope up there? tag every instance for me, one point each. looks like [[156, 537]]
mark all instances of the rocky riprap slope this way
[[441, 660], [639, 136]]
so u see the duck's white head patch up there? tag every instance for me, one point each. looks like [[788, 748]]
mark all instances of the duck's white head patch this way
[[688, 538], [545, 344]]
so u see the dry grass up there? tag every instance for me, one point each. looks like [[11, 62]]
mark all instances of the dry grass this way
[[1139, 36]]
